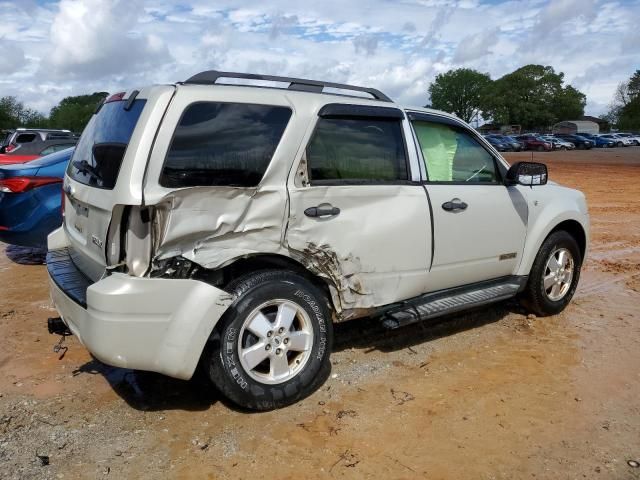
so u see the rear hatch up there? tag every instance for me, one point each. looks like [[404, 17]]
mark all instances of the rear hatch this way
[[106, 170]]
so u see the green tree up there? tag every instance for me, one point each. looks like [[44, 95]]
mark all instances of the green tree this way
[[460, 91], [623, 110], [533, 96], [633, 87], [73, 113], [629, 117], [14, 114]]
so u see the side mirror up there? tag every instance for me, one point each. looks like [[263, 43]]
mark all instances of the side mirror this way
[[527, 173]]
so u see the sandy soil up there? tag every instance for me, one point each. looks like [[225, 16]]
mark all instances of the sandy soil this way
[[493, 394]]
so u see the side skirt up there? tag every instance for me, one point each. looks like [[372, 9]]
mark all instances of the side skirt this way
[[451, 300]]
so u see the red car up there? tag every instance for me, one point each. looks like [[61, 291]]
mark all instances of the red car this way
[[534, 142]]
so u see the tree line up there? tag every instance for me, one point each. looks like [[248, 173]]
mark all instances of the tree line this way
[[71, 113], [533, 96]]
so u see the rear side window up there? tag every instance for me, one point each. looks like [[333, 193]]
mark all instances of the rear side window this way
[[98, 155], [223, 144], [357, 150], [55, 148], [25, 138]]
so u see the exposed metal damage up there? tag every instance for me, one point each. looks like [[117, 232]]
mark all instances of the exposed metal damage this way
[[195, 227]]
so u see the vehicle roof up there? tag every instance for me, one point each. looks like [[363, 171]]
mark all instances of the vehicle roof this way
[[296, 88], [29, 129]]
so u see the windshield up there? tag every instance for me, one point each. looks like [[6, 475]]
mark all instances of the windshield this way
[[99, 153]]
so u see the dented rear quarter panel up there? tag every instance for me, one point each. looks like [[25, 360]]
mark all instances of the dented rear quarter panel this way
[[214, 226]]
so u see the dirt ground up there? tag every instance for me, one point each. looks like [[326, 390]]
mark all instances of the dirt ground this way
[[493, 394]]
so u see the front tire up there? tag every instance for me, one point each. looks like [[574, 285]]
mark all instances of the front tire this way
[[273, 344], [554, 276]]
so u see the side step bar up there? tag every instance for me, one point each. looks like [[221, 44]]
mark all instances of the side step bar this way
[[452, 300]]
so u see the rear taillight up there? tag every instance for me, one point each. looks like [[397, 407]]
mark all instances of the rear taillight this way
[[9, 148], [24, 184]]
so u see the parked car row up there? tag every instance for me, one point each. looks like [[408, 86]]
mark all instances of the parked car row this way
[[24, 144], [561, 141]]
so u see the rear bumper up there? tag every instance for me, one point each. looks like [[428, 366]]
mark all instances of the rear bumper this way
[[154, 324]]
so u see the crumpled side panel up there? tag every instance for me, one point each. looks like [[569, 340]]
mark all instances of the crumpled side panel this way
[[215, 225]]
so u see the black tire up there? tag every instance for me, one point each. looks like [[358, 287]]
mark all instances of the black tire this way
[[534, 297], [540, 148], [222, 358]]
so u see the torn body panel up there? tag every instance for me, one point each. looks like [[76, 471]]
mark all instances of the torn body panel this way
[[213, 226], [375, 251]]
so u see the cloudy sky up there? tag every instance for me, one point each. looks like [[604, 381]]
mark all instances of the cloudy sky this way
[[52, 49]]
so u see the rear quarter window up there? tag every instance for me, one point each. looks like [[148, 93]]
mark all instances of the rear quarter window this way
[[25, 138], [223, 144]]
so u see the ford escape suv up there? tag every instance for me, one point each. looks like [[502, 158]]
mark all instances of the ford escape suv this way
[[228, 226]]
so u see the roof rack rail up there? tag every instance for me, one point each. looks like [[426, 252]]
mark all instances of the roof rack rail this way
[[210, 77]]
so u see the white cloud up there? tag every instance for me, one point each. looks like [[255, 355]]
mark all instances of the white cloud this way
[[475, 46], [93, 38], [71, 47]]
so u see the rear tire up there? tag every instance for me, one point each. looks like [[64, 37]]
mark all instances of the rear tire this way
[[549, 289], [272, 346]]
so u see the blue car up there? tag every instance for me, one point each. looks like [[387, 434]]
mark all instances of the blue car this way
[[600, 142], [30, 199]]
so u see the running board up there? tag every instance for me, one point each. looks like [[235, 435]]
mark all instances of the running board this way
[[452, 300]]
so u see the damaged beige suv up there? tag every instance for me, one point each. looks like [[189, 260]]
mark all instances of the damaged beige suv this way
[[228, 221]]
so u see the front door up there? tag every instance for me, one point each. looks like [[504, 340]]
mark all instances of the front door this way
[[479, 223]]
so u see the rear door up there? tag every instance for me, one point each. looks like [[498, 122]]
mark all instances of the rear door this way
[[479, 224], [106, 170], [356, 215]]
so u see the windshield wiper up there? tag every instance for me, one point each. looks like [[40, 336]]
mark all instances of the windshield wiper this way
[[85, 167]]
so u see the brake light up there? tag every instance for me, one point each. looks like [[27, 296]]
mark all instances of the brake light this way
[[24, 184], [9, 148], [116, 97]]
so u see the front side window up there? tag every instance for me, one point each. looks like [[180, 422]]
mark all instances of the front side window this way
[[223, 144], [357, 150], [452, 155]]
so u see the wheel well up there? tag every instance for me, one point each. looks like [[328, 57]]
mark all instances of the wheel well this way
[[254, 263], [574, 229]]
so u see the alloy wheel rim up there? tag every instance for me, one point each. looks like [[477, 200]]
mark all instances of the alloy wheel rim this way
[[275, 341], [558, 274]]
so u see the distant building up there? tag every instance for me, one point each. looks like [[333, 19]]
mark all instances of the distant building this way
[[603, 124], [488, 128], [576, 126]]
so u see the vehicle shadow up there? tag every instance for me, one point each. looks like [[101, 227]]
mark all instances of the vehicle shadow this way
[[369, 334], [26, 255], [147, 391]]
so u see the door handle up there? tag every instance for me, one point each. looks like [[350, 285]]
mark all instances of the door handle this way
[[454, 205], [322, 211]]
